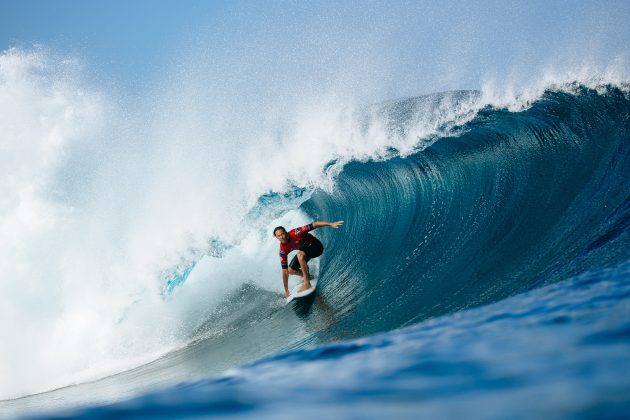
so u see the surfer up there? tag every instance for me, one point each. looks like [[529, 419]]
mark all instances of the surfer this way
[[308, 247]]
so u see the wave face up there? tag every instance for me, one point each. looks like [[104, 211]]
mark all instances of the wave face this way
[[492, 205], [518, 200]]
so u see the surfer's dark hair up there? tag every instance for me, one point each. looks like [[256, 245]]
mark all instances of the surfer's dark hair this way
[[278, 228]]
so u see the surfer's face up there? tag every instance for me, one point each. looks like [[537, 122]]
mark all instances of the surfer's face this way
[[282, 236]]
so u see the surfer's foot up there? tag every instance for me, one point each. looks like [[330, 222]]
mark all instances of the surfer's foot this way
[[305, 286]]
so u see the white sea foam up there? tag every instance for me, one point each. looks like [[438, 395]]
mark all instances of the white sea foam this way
[[518, 94]]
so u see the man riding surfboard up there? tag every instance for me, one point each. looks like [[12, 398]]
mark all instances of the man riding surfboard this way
[[308, 247]]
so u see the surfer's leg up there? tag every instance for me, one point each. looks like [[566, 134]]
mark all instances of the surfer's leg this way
[[294, 267], [295, 272], [301, 256]]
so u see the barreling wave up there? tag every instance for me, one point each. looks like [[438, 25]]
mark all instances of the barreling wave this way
[[516, 201], [507, 202]]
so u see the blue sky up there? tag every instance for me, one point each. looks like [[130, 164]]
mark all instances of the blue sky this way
[[124, 37], [404, 47]]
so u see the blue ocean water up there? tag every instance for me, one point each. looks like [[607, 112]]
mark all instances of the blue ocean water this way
[[486, 275], [556, 352]]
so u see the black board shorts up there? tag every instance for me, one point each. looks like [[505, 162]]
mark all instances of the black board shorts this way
[[312, 250]]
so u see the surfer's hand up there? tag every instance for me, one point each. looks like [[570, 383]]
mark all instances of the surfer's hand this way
[[336, 224]]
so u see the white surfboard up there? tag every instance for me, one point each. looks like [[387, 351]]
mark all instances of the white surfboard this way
[[297, 295]]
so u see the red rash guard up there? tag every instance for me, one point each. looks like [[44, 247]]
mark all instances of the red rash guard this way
[[299, 238]]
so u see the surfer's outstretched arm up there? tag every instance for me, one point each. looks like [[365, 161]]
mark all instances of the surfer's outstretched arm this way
[[331, 224]]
